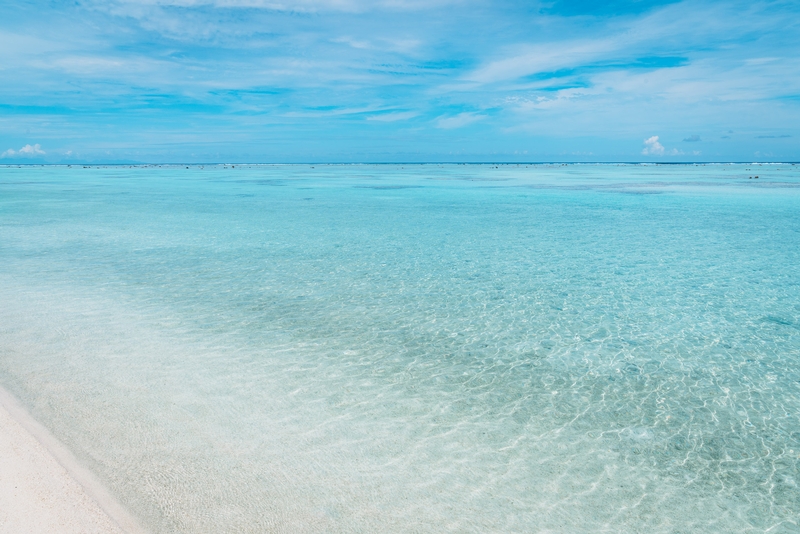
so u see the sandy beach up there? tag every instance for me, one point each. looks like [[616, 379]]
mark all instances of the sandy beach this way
[[42, 487]]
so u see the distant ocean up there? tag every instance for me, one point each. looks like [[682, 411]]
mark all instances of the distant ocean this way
[[414, 348]]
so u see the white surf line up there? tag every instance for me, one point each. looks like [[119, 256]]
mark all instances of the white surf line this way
[[33, 490]]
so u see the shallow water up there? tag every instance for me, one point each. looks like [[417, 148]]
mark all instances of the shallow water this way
[[414, 348]]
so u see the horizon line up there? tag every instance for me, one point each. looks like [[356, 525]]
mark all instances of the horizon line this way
[[328, 163]]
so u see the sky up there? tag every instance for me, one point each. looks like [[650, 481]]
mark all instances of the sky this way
[[283, 81]]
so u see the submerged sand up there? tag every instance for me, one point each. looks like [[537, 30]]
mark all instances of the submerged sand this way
[[39, 493]]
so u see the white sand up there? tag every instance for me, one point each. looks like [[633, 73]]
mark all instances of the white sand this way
[[43, 489]]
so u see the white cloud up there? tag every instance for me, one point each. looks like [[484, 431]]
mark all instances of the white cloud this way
[[28, 151], [355, 43], [337, 112], [34, 150], [653, 147], [553, 100], [542, 58], [298, 5], [392, 117], [457, 121]]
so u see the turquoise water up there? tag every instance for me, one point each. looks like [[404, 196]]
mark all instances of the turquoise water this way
[[414, 348]]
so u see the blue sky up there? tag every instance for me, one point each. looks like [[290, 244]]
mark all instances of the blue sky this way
[[398, 80]]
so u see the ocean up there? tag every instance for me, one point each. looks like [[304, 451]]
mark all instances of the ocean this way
[[414, 348]]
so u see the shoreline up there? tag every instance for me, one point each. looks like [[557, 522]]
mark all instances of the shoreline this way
[[43, 487]]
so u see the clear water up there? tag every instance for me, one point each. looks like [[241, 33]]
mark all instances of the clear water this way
[[414, 348]]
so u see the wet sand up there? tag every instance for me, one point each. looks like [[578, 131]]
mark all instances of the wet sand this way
[[43, 489]]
